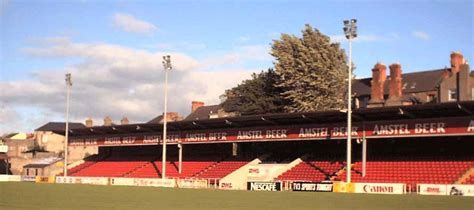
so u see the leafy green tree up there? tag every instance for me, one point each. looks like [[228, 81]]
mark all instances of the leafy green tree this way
[[312, 71], [258, 95]]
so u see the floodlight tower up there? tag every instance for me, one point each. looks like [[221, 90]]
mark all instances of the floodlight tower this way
[[350, 30], [167, 67], [66, 131]]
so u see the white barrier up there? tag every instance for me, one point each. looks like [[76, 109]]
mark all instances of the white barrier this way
[[155, 182], [82, 180], [122, 181], [28, 178], [432, 189], [192, 183], [458, 189], [10, 178], [379, 188], [441, 189], [143, 182]]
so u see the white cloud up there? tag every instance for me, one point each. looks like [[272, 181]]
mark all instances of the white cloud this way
[[120, 81], [187, 46], [9, 120], [421, 35], [240, 54], [129, 23]]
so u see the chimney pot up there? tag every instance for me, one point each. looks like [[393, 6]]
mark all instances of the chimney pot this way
[[457, 59], [107, 121], [395, 86], [89, 122], [195, 105], [379, 76], [124, 121]]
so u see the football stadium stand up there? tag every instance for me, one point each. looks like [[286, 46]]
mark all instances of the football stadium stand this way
[[221, 169], [410, 172], [470, 180], [410, 149]]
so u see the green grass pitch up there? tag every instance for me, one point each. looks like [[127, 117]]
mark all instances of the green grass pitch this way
[[64, 196]]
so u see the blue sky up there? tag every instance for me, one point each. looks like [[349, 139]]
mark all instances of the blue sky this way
[[114, 49]]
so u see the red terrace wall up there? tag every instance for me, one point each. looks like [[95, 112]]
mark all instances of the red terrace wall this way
[[381, 129]]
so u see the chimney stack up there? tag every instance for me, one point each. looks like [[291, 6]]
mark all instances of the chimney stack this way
[[379, 76], [195, 105], [89, 122], [107, 121], [172, 116], [457, 59], [124, 121], [395, 88]]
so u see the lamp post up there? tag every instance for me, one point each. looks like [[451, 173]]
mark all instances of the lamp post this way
[[167, 67], [66, 141], [350, 30]]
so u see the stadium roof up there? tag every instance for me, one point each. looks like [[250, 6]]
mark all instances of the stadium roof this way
[[451, 109]]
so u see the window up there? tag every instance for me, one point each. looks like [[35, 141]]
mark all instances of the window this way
[[430, 98], [213, 115], [472, 94], [452, 95]]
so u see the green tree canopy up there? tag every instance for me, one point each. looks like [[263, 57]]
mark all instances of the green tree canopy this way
[[310, 75], [255, 96], [312, 71]]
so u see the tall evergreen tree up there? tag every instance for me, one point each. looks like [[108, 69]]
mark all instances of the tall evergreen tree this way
[[258, 95], [312, 71]]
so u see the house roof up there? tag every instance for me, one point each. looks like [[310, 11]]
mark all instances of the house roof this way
[[43, 162], [203, 112], [412, 82], [59, 126], [157, 120], [33, 165], [7, 136]]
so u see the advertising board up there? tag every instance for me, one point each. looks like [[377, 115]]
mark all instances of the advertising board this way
[[460, 190], [264, 186], [311, 187], [192, 183], [380, 129], [379, 188], [45, 179], [154, 182], [82, 180], [432, 189], [10, 178]]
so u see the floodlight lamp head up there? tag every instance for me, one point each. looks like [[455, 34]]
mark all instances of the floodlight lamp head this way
[[68, 79], [346, 22]]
